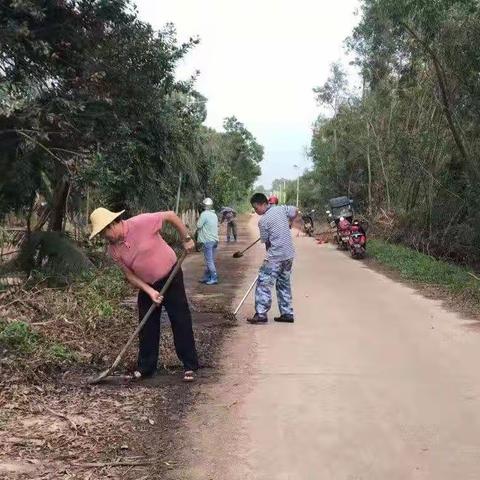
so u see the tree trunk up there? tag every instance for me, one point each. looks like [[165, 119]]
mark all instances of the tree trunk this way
[[58, 206], [442, 83], [87, 213], [335, 144], [30, 213], [382, 164], [369, 163], [369, 169]]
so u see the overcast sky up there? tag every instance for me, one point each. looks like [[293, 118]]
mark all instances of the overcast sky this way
[[259, 60]]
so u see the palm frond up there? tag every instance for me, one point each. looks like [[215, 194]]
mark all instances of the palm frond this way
[[54, 255]]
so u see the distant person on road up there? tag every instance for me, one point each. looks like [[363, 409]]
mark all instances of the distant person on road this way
[[273, 200], [137, 246], [207, 228], [229, 215], [275, 232]]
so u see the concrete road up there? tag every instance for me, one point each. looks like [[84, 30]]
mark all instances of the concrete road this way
[[373, 381]]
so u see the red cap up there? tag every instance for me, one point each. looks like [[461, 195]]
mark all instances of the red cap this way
[[273, 200]]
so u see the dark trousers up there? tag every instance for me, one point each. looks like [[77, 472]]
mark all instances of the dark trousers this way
[[175, 301], [231, 230]]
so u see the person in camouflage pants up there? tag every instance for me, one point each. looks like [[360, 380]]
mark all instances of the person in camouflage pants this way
[[274, 226], [277, 273]]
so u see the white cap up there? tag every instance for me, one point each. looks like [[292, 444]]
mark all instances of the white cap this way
[[208, 202]]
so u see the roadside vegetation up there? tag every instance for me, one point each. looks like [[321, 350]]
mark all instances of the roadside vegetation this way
[[403, 141], [92, 114], [458, 282], [46, 329]]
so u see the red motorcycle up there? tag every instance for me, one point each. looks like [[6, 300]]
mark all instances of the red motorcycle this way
[[357, 240]]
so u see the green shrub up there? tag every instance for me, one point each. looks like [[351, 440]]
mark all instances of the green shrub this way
[[60, 352], [422, 268], [102, 291], [18, 337]]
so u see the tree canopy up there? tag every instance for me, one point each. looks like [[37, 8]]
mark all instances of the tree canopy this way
[[406, 146], [89, 104]]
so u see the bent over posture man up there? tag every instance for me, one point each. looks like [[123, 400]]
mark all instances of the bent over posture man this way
[[229, 215], [275, 232]]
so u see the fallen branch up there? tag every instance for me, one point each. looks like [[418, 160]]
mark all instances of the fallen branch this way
[[42, 323], [62, 416], [4, 254], [17, 300], [112, 464], [474, 276]]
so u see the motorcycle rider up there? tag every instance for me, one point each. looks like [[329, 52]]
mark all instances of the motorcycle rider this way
[[361, 230], [308, 222], [344, 224]]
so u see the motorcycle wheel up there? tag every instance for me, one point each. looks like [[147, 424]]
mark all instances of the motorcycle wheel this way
[[358, 255]]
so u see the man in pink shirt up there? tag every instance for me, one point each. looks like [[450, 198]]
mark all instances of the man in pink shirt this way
[[137, 246]]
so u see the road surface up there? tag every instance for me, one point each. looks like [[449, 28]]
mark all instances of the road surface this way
[[373, 381]]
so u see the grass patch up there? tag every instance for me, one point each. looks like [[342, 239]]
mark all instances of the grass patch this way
[[59, 352], [18, 337], [424, 269], [100, 292], [19, 340]]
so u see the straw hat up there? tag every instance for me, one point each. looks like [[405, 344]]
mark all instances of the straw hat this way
[[102, 218], [208, 202]]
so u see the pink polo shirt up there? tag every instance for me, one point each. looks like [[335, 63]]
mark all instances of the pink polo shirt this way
[[143, 250]]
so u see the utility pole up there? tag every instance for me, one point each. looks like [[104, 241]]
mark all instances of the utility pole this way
[[178, 192], [284, 192], [298, 181]]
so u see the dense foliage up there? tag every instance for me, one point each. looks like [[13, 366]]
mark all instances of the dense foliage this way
[[90, 107], [406, 146]]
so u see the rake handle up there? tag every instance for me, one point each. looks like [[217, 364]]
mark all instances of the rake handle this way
[[245, 296], [240, 253]]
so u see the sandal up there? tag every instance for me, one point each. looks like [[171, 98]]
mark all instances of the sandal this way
[[188, 376]]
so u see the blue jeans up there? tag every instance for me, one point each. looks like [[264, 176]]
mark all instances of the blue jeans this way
[[209, 250]]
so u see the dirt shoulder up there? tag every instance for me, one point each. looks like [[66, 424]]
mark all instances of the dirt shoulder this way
[[60, 428]]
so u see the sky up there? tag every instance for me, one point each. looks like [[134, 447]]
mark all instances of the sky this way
[[259, 60]]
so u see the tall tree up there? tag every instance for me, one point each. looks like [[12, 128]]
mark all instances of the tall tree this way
[[406, 147]]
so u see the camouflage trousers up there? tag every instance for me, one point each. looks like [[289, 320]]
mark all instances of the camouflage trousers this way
[[271, 273]]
